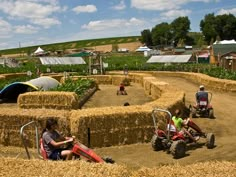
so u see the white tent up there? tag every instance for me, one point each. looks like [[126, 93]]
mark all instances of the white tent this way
[[142, 49], [39, 51]]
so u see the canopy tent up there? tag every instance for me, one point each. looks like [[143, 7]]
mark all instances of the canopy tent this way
[[39, 51], [61, 60], [13, 90], [169, 59], [142, 49]]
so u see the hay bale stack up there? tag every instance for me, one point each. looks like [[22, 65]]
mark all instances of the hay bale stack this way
[[117, 79], [12, 119], [13, 75], [138, 77], [49, 100], [112, 125], [153, 87], [207, 169], [202, 79], [21, 168], [2, 77], [100, 79]]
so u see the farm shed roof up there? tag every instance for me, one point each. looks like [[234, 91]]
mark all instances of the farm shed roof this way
[[11, 91], [223, 48], [169, 59], [61, 60]]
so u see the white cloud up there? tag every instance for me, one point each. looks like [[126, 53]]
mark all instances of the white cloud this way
[[120, 6], [227, 11], [25, 29], [5, 29], [85, 9], [173, 14], [46, 22], [31, 10], [161, 5], [112, 24]]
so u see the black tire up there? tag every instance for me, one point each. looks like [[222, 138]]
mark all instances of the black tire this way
[[211, 113], [210, 140], [157, 143], [178, 149]]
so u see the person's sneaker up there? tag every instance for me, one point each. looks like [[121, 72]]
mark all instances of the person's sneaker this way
[[196, 138]]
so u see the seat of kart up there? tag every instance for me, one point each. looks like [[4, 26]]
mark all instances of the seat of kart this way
[[42, 150]]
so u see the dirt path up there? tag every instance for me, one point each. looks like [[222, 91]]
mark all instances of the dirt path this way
[[142, 155], [106, 96]]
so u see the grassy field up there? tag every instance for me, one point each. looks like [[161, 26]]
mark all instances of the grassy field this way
[[73, 44]]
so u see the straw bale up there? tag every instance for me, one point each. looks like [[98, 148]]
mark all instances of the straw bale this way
[[12, 119], [117, 79], [100, 79], [199, 78], [138, 77], [13, 75], [2, 77], [48, 99], [207, 169], [108, 122], [21, 168]]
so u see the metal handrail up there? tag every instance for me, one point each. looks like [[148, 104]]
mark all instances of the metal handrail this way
[[155, 118], [36, 138]]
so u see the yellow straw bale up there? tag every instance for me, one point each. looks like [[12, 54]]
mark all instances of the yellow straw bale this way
[[48, 99]]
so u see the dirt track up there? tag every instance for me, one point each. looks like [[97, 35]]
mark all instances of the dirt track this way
[[142, 155]]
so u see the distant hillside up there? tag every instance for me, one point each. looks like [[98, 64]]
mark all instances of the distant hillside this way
[[73, 45]]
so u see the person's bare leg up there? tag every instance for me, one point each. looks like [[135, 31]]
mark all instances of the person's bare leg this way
[[67, 153]]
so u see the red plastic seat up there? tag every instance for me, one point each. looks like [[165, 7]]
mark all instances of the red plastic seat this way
[[42, 150]]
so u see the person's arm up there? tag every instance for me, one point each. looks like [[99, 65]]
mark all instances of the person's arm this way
[[60, 143]]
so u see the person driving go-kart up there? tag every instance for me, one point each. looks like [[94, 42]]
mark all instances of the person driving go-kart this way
[[180, 125], [202, 97], [121, 90]]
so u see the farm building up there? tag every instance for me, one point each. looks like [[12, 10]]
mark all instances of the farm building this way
[[170, 59], [228, 61], [61, 60], [220, 48]]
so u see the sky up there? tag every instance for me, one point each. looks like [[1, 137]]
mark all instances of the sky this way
[[36, 22]]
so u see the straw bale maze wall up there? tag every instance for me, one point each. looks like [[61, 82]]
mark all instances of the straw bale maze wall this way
[[107, 125]]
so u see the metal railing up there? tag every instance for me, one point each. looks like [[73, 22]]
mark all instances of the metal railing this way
[[36, 138]]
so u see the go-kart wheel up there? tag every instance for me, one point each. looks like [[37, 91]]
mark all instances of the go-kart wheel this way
[[211, 113], [178, 149], [156, 143], [210, 140]]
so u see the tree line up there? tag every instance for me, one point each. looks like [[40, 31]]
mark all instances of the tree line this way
[[213, 28]]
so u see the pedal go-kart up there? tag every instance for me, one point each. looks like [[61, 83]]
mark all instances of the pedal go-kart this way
[[175, 142], [202, 109], [121, 92], [79, 150]]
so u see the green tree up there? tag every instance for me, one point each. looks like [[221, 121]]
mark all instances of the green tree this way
[[161, 34], [180, 28], [222, 26], [146, 37]]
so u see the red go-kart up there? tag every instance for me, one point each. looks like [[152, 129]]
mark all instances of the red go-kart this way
[[175, 142]]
